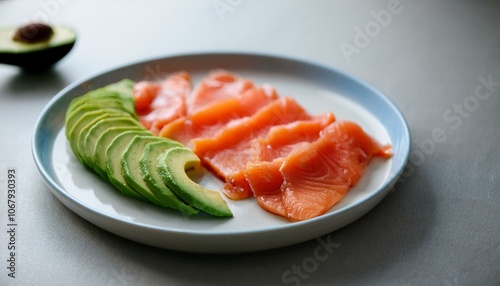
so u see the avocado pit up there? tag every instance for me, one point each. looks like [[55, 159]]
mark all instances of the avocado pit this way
[[33, 33], [35, 46]]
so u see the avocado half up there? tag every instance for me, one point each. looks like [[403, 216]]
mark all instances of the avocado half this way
[[36, 55]]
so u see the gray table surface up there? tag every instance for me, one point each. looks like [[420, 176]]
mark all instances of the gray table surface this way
[[439, 61]]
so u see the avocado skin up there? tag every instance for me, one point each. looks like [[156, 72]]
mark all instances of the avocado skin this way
[[36, 56], [38, 60]]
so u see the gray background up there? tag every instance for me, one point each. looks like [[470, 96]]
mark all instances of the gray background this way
[[439, 227]]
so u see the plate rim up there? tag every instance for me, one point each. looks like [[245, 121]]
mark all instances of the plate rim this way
[[63, 195]]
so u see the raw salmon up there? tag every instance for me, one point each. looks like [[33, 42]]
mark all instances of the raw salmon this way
[[297, 166], [158, 104], [281, 139], [209, 120], [265, 180], [263, 176], [219, 85], [316, 176], [228, 153], [144, 94]]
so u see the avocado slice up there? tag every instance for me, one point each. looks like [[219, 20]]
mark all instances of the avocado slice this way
[[35, 46], [149, 171], [117, 95], [172, 166], [75, 129], [113, 156], [81, 127], [131, 170], [121, 91], [95, 131], [105, 134], [105, 106], [104, 141]]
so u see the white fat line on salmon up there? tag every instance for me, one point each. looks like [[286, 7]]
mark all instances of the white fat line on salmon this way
[[363, 37], [455, 115], [298, 273]]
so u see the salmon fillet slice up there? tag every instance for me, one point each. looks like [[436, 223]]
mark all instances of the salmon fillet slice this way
[[228, 153], [208, 121], [281, 139], [316, 176], [265, 180], [264, 176], [296, 165], [158, 104], [219, 85]]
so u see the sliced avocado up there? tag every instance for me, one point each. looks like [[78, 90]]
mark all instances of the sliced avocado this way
[[125, 87], [113, 156], [95, 131], [131, 170], [104, 141], [35, 46], [74, 130], [87, 98], [104, 106], [172, 166], [118, 92], [104, 133], [81, 127], [149, 171]]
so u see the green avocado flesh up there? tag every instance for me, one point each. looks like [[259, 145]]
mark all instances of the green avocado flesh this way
[[130, 167], [121, 92], [81, 127], [96, 130], [35, 55], [114, 153], [149, 172], [111, 106], [106, 136], [104, 141], [172, 166]]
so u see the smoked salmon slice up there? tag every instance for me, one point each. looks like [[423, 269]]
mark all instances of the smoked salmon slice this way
[[158, 104], [228, 153], [281, 139], [296, 165], [265, 180], [209, 120], [219, 85], [264, 177], [316, 176], [144, 94], [273, 146]]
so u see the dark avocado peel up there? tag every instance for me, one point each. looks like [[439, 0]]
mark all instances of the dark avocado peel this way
[[35, 46]]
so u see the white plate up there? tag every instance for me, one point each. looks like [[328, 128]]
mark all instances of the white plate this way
[[319, 89]]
